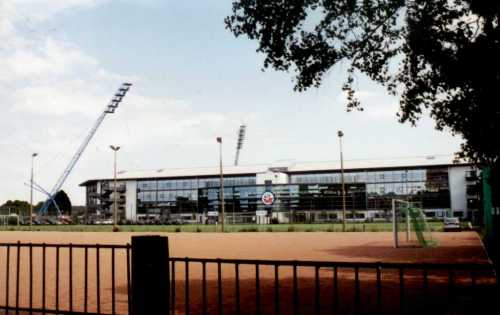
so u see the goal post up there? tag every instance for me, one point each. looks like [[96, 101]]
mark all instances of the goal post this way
[[9, 219], [410, 226]]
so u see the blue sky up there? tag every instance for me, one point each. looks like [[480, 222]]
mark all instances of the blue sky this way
[[62, 60]]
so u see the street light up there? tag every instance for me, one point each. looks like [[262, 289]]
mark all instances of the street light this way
[[115, 195], [340, 134], [31, 188], [219, 140]]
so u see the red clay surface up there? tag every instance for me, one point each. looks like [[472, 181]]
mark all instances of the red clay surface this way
[[367, 247]]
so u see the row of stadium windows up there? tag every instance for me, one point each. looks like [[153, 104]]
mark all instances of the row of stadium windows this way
[[314, 197], [174, 184]]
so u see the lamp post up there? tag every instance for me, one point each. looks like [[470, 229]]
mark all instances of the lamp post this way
[[115, 195], [31, 188], [340, 135], [219, 140]]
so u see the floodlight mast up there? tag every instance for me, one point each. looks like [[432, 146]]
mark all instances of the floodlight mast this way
[[239, 145], [109, 109]]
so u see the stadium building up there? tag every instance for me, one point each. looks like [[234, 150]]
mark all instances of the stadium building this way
[[286, 193]]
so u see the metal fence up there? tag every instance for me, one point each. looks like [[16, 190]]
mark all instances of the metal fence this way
[[241, 286], [64, 278], [98, 279]]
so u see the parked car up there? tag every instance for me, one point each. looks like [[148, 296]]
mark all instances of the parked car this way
[[451, 224], [107, 221]]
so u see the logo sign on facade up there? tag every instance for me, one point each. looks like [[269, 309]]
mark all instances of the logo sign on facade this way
[[267, 198]]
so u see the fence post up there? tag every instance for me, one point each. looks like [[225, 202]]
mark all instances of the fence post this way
[[150, 275]]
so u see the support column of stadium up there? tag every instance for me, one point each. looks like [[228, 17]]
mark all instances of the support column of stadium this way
[[40, 189]]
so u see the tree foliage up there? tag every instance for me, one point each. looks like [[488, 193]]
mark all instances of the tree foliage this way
[[63, 202], [439, 56], [20, 207]]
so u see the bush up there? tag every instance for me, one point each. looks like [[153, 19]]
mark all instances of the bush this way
[[251, 229], [330, 229], [309, 230], [291, 229], [198, 230], [177, 230], [269, 229], [275, 221]]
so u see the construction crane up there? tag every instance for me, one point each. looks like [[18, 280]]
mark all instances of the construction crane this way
[[239, 145], [109, 109]]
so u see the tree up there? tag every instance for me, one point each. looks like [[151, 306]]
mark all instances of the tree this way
[[439, 56], [63, 202], [20, 207]]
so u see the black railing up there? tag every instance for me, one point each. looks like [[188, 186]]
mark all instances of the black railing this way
[[237, 286], [96, 279], [64, 278]]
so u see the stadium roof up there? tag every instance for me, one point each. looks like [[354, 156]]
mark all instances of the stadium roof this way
[[289, 167]]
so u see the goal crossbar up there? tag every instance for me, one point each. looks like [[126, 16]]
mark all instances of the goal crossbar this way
[[410, 218]]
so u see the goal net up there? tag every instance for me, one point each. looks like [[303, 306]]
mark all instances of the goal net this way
[[410, 225], [9, 219]]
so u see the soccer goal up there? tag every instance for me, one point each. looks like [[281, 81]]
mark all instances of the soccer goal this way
[[9, 219], [410, 225]]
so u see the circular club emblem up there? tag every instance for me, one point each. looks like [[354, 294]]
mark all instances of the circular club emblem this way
[[267, 198]]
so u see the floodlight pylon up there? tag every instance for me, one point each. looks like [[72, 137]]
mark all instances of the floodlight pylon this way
[[109, 109], [239, 144]]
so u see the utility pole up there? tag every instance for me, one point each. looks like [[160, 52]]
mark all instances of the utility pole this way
[[340, 135], [31, 189], [115, 193], [219, 140]]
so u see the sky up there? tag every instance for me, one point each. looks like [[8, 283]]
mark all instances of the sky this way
[[62, 60]]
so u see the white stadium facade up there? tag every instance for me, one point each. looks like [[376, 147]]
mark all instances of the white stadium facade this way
[[287, 192]]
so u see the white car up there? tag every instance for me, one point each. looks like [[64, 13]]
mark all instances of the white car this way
[[451, 224]]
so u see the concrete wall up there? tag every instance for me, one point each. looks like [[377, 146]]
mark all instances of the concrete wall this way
[[98, 190], [458, 188], [275, 177], [131, 200]]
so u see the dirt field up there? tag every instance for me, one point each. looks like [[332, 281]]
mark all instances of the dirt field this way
[[453, 247]]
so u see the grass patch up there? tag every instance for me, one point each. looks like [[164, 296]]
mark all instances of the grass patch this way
[[230, 228]]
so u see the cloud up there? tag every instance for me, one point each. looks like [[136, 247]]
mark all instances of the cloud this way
[[52, 93], [47, 59], [36, 11], [378, 106]]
